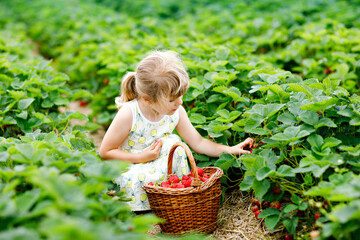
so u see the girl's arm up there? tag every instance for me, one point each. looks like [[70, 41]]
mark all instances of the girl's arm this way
[[202, 145], [116, 134]]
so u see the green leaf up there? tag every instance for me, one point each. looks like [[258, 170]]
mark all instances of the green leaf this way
[[320, 105], [225, 161], [290, 134], [246, 183], [289, 208], [303, 206], [197, 118], [285, 171], [4, 156], [27, 150], [310, 117], [325, 122], [316, 141], [263, 172], [24, 103], [272, 221], [269, 212], [20, 233], [261, 187], [287, 118], [355, 121], [296, 199], [291, 224], [222, 53]]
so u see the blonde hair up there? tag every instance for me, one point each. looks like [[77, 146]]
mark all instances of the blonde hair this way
[[161, 75]]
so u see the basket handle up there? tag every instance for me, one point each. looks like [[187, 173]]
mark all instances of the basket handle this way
[[196, 181]]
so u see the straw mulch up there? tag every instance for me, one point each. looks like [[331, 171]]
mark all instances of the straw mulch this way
[[236, 221]]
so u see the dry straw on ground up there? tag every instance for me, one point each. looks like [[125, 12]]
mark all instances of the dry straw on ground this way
[[236, 221]]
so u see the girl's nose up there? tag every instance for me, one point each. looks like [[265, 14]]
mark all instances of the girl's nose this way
[[179, 101]]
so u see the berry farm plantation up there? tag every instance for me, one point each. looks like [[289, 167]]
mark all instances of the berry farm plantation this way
[[285, 73]]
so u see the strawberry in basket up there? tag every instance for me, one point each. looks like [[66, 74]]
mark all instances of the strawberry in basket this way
[[175, 182]]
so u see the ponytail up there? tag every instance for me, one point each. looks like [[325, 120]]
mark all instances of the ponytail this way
[[128, 90]]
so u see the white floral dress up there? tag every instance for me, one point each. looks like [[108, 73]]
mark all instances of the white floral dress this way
[[142, 135]]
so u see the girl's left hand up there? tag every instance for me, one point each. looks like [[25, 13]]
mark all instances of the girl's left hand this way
[[239, 148]]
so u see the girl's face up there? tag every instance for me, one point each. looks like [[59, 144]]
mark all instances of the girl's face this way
[[168, 107]]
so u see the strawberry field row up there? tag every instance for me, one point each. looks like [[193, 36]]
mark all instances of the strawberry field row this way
[[52, 183]]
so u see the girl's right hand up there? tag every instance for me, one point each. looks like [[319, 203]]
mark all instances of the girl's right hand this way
[[152, 152]]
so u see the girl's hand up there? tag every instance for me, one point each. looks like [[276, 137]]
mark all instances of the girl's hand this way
[[239, 148], [152, 152]]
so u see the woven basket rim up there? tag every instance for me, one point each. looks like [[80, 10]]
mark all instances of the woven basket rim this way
[[183, 191]]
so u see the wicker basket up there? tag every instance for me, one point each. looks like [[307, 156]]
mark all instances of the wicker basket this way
[[187, 209]]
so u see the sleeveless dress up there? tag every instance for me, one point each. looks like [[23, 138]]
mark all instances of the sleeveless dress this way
[[142, 135]]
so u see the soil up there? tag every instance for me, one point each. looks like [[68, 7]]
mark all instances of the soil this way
[[236, 220]]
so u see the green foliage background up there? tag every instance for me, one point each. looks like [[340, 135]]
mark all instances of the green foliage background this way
[[285, 73]]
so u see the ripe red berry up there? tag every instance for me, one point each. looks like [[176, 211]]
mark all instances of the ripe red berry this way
[[319, 112], [106, 81], [82, 103], [187, 182], [255, 208], [199, 170], [275, 204], [257, 213], [165, 184], [265, 204], [174, 179], [317, 216], [255, 201], [131, 228], [178, 185], [185, 177], [277, 190], [288, 237], [151, 183]]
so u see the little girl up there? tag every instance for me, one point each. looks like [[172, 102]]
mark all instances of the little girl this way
[[141, 132]]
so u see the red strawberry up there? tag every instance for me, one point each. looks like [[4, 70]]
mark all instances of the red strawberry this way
[[178, 185], [187, 182], [82, 103], [319, 112], [255, 201], [317, 216], [255, 208], [165, 184], [199, 170], [185, 177], [106, 81], [257, 213], [275, 204], [327, 71], [174, 179], [151, 183], [288, 237], [265, 204], [277, 189]]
